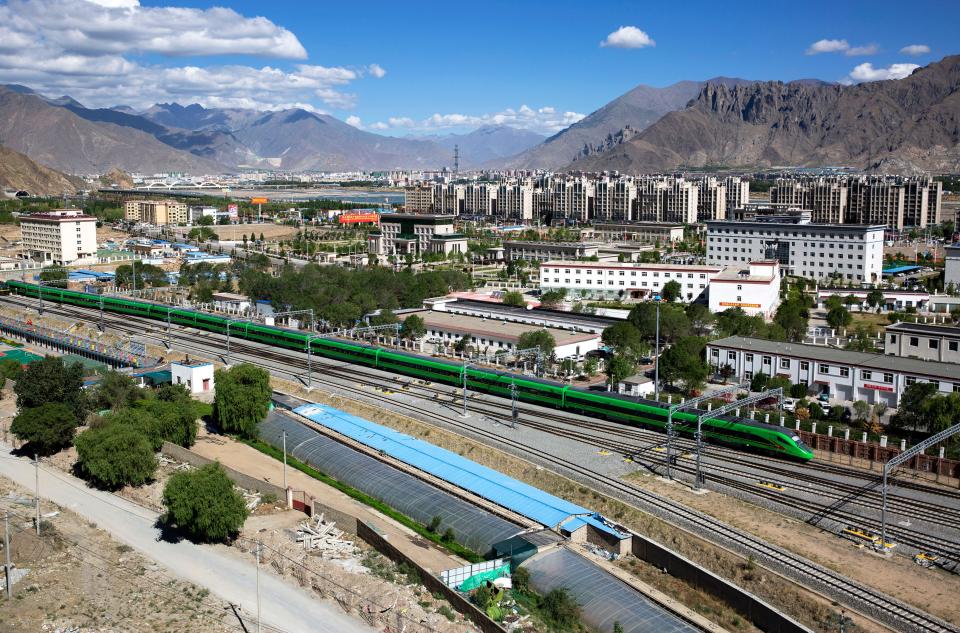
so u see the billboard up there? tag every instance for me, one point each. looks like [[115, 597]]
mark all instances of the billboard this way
[[259, 200], [359, 218], [232, 211]]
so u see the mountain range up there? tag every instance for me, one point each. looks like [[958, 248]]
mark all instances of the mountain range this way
[[909, 124], [894, 126], [19, 173]]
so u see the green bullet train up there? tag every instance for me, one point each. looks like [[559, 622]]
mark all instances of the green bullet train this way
[[736, 432]]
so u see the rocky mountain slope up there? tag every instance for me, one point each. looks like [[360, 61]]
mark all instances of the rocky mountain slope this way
[[56, 136], [18, 172], [905, 125], [636, 109]]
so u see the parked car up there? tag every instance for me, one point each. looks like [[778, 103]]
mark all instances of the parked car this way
[[789, 404], [824, 397]]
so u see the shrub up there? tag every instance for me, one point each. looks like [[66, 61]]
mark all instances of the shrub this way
[[115, 455], [798, 390], [242, 399], [521, 579], [47, 428], [173, 421], [561, 610], [204, 504]]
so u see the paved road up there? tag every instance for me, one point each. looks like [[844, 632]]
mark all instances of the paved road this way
[[284, 607]]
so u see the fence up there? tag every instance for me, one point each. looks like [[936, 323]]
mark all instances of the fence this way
[[79, 345], [246, 482], [870, 453]]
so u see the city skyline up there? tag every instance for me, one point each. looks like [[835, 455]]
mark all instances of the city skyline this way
[[431, 71]]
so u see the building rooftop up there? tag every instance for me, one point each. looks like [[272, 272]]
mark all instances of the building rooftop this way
[[58, 215], [634, 266], [820, 353], [487, 483], [494, 328], [925, 328], [555, 244], [734, 274]]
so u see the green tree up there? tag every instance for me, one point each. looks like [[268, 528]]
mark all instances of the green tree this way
[[759, 381], [701, 319], [674, 323], [624, 338], [913, 410], [174, 421], [553, 298], [561, 610], [671, 290], [204, 504], [115, 391], [242, 398], [839, 317], [617, 627], [115, 455], [683, 362], [205, 220], [513, 298], [798, 390], [10, 369], [49, 380], [619, 367], [861, 411], [413, 327], [47, 428], [793, 317], [537, 338]]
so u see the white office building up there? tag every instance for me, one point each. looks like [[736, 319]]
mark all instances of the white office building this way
[[59, 237], [616, 280], [851, 252], [755, 289]]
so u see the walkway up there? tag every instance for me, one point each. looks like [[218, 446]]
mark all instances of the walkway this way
[[285, 607]]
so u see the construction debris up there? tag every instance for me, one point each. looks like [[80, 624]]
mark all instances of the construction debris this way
[[323, 536], [252, 499]]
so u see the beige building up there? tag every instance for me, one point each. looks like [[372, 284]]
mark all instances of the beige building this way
[[156, 212], [711, 200], [59, 237], [418, 199], [646, 232], [614, 199], [738, 191]]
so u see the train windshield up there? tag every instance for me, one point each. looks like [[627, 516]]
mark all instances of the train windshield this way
[[799, 443]]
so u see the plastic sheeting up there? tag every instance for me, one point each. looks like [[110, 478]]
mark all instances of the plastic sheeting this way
[[603, 598], [472, 527]]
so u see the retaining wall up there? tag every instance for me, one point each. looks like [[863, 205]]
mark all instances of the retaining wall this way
[[181, 454], [369, 534], [763, 616], [344, 521]]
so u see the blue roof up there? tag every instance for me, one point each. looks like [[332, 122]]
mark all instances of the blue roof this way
[[899, 269], [96, 274], [505, 491]]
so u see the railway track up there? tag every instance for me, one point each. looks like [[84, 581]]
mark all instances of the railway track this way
[[863, 599]]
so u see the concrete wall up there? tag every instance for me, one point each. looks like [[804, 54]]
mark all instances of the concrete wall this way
[[344, 521], [181, 454], [756, 610], [431, 582]]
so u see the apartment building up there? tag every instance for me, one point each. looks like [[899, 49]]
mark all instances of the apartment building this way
[[156, 212], [940, 343], [711, 200], [616, 280], [614, 199], [840, 374], [59, 237], [668, 200], [826, 199], [812, 251], [515, 201], [738, 192], [419, 199], [875, 201]]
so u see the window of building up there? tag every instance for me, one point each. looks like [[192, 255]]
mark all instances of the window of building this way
[[866, 375], [893, 338], [888, 377], [914, 341], [933, 344], [910, 380], [731, 356], [823, 369], [784, 363], [953, 346], [767, 360], [748, 375], [844, 372]]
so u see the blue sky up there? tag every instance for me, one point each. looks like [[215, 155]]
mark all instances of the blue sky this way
[[391, 67]]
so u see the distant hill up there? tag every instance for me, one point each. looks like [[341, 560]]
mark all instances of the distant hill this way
[[22, 174], [905, 125], [487, 143], [56, 136], [635, 109], [299, 140]]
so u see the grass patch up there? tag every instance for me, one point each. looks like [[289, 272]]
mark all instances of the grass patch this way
[[362, 497]]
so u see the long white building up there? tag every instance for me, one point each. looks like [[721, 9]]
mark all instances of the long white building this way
[[813, 251], [623, 280]]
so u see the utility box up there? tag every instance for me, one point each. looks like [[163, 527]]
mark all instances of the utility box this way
[[196, 375]]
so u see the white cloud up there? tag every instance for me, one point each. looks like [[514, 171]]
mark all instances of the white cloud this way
[[915, 49], [57, 46], [828, 46], [861, 51], [355, 121], [545, 120], [866, 72], [628, 37], [377, 71]]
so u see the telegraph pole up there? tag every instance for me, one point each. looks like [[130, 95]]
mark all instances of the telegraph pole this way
[[36, 464], [258, 588], [284, 460], [6, 551]]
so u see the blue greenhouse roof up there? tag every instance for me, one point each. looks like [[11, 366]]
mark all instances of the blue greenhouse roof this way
[[900, 269], [505, 491]]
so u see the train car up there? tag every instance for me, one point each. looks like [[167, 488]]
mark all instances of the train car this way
[[727, 430]]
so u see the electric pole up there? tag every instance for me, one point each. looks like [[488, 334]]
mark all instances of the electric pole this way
[[258, 588], [36, 467], [6, 552]]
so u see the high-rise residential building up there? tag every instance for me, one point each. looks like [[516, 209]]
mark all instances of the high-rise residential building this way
[[418, 199], [915, 203], [59, 237], [711, 199], [876, 201], [826, 199], [667, 200], [614, 199], [738, 191], [479, 199], [935, 203], [573, 198], [156, 212], [515, 201]]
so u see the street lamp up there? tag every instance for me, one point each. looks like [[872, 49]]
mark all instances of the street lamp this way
[[656, 367]]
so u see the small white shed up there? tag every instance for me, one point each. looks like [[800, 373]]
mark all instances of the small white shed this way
[[196, 375]]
